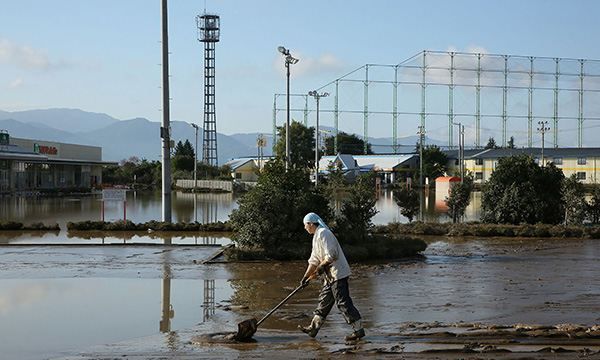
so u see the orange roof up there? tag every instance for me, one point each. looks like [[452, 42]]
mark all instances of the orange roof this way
[[447, 179]]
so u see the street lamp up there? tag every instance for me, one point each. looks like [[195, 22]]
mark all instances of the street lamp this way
[[543, 127], [289, 59], [195, 158], [317, 97], [461, 149], [195, 172]]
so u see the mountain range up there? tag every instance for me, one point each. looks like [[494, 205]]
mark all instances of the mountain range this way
[[121, 139]]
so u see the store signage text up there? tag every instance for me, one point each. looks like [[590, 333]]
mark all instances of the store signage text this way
[[43, 149]]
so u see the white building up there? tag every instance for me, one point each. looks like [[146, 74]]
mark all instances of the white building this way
[[28, 165]]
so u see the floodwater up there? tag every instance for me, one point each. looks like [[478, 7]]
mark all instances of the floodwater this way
[[186, 207], [148, 301]]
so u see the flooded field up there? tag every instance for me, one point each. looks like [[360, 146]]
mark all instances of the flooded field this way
[[187, 207], [151, 302]]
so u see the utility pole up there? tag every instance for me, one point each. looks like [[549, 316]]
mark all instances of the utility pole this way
[[421, 134], [166, 126], [317, 97], [543, 127], [461, 150], [195, 159]]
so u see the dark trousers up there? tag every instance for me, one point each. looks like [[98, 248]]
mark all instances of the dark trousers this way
[[339, 293]]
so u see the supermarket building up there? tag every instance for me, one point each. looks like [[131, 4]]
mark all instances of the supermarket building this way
[[32, 165]]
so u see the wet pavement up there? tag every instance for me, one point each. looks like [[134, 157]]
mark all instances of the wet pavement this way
[[466, 298]]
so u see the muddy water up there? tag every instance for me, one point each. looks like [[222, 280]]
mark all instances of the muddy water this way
[[109, 301]]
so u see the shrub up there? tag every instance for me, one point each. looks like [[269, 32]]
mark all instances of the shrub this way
[[270, 215]]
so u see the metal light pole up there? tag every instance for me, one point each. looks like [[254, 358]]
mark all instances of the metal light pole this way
[[166, 126], [317, 97], [195, 158], [543, 127], [421, 134], [461, 149], [289, 60]]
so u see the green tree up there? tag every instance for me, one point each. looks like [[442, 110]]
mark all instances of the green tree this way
[[347, 144], [491, 144], [519, 191], [511, 143], [435, 162], [358, 208], [184, 149], [459, 198], [269, 216], [302, 145], [407, 199], [183, 159], [593, 209], [133, 172], [183, 163], [574, 200]]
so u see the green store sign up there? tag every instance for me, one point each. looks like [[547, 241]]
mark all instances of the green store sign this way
[[4, 137]]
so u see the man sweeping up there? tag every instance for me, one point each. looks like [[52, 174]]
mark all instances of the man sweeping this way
[[327, 259]]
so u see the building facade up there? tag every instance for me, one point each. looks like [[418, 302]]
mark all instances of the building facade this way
[[583, 162], [33, 165]]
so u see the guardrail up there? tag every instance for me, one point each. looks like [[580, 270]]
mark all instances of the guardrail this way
[[206, 184]]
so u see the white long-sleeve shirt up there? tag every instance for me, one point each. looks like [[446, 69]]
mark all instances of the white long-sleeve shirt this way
[[326, 247]]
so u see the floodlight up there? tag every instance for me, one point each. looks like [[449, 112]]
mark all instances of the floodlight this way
[[283, 50]]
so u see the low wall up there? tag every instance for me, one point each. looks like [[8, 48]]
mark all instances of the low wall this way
[[206, 184]]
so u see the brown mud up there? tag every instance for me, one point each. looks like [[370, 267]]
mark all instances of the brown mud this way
[[492, 298]]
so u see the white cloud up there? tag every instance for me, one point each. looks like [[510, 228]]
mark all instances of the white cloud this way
[[15, 83], [310, 66], [26, 57]]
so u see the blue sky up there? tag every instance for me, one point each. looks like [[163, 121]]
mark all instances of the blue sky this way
[[104, 55]]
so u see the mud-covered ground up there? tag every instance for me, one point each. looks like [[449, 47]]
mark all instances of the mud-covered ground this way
[[466, 299]]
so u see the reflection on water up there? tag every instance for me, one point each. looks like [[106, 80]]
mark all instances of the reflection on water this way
[[113, 237], [43, 317], [141, 207], [209, 299], [190, 207]]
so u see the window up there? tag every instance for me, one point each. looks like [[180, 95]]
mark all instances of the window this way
[[478, 161], [557, 161], [581, 175], [581, 161], [479, 175]]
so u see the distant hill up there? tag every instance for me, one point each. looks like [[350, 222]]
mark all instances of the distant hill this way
[[119, 139], [39, 132], [72, 120]]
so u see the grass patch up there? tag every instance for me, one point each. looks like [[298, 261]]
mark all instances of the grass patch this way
[[13, 225], [488, 230]]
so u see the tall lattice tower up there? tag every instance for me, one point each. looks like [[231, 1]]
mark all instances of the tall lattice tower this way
[[208, 33]]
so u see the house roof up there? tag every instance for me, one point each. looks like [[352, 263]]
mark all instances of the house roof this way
[[535, 152], [366, 162], [447, 179], [382, 162], [237, 163]]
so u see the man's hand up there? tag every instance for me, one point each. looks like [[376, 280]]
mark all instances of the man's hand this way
[[304, 281]]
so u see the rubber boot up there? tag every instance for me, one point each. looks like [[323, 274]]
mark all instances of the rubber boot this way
[[358, 332], [314, 326]]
